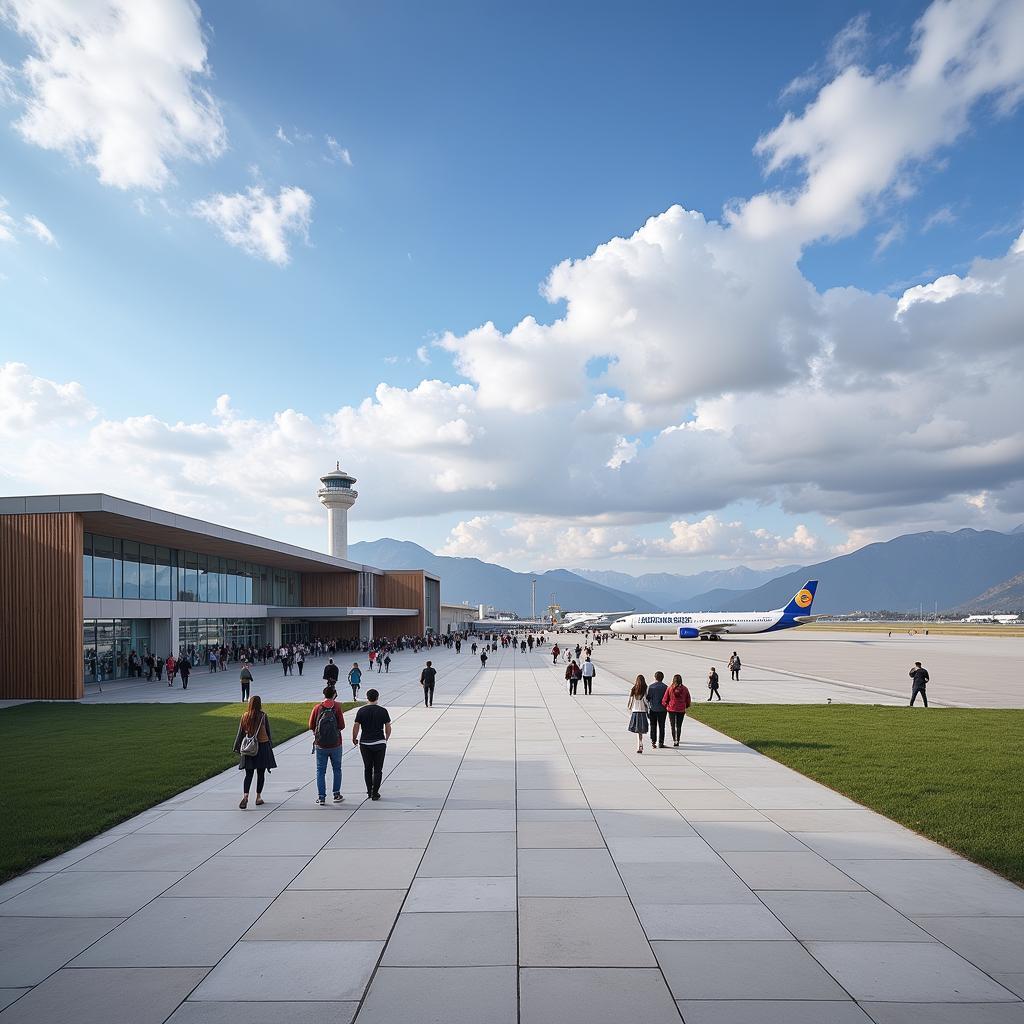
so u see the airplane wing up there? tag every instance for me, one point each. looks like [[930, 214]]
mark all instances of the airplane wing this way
[[717, 627]]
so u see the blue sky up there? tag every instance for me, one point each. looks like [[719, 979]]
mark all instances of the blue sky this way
[[485, 143]]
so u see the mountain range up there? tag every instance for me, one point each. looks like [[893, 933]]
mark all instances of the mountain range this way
[[969, 571]]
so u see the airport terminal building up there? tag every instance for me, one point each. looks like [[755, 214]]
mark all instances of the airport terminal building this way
[[87, 578]]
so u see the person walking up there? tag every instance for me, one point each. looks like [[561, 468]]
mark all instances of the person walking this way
[[172, 667], [245, 678], [327, 723], [573, 674], [483, 659], [676, 701], [387, 664], [655, 698], [184, 670], [637, 707], [212, 659], [428, 677], [159, 664], [734, 666], [355, 679], [374, 724], [554, 654], [331, 673], [920, 677], [713, 685], [588, 672], [300, 659], [373, 658], [254, 745]]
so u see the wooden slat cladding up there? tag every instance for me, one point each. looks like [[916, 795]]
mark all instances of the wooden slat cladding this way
[[330, 589], [400, 589], [41, 606]]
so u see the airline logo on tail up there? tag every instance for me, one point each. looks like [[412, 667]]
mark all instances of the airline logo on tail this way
[[802, 599]]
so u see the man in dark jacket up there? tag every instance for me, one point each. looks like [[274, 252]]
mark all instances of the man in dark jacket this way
[[657, 715], [920, 677], [427, 679], [185, 669], [331, 673]]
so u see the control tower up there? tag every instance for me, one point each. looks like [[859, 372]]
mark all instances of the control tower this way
[[337, 496]]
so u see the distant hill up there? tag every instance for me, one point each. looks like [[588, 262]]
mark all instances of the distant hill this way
[[673, 591], [1004, 597], [470, 579], [907, 573]]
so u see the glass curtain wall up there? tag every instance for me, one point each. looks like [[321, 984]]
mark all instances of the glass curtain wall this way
[[107, 643], [197, 636], [128, 568]]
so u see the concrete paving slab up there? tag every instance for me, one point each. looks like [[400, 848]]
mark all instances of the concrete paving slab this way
[[553, 835], [770, 870], [777, 1011], [686, 800], [940, 888], [713, 921], [172, 932], [104, 894], [455, 995], [226, 875], [196, 823], [477, 821], [450, 895], [16, 885], [272, 838], [706, 884], [629, 823], [32, 948], [357, 869], [330, 915], [585, 872], [90, 996], [464, 854], [300, 971], [857, 819], [744, 970], [627, 850], [892, 845], [995, 944], [572, 932], [460, 939], [910, 971], [137, 852], [552, 799], [264, 1013], [736, 836], [945, 1013], [841, 916], [595, 996], [10, 995], [1013, 982], [369, 833]]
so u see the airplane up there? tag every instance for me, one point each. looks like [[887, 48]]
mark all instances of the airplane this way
[[582, 621], [711, 625]]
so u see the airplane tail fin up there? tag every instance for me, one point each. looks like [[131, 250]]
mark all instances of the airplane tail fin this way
[[800, 603]]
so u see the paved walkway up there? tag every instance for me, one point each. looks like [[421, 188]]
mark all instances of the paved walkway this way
[[523, 865]]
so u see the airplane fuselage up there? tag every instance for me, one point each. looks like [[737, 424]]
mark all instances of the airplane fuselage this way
[[672, 623]]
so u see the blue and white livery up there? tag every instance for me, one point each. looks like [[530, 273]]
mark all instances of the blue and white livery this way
[[711, 625]]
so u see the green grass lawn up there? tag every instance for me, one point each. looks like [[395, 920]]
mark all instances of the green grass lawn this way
[[70, 771], [951, 774]]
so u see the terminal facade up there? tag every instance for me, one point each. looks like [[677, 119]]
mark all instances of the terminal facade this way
[[87, 578]]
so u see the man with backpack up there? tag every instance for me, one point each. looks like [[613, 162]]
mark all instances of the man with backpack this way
[[327, 723]]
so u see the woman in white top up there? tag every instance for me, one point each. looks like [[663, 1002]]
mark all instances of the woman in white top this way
[[638, 708]]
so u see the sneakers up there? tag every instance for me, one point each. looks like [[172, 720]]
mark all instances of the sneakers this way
[[320, 801], [375, 796], [338, 798]]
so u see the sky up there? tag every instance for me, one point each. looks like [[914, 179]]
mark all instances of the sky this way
[[638, 286]]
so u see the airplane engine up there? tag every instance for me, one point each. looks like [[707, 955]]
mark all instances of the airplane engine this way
[[688, 633]]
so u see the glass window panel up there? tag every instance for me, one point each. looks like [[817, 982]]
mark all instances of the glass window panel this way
[[103, 567], [131, 579], [163, 574], [87, 574], [190, 583], [147, 572], [204, 582]]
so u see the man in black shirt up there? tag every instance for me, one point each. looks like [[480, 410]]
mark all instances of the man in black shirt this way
[[657, 715], [374, 723], [427, 679], [331, 673], [920, 677]]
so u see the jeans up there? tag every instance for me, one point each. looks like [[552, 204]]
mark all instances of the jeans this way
[[675, 721], [918, 690], [714, 693], [573, 683], [428, 694], [588, 682], [245, 689], [657, 719], [373, 765], [260, 775], [322, 757]]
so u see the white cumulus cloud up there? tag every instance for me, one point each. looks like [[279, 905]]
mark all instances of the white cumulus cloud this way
[[119, 84], [259, 224]]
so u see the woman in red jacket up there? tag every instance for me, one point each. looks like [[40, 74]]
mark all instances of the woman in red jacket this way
[[675, 702]]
